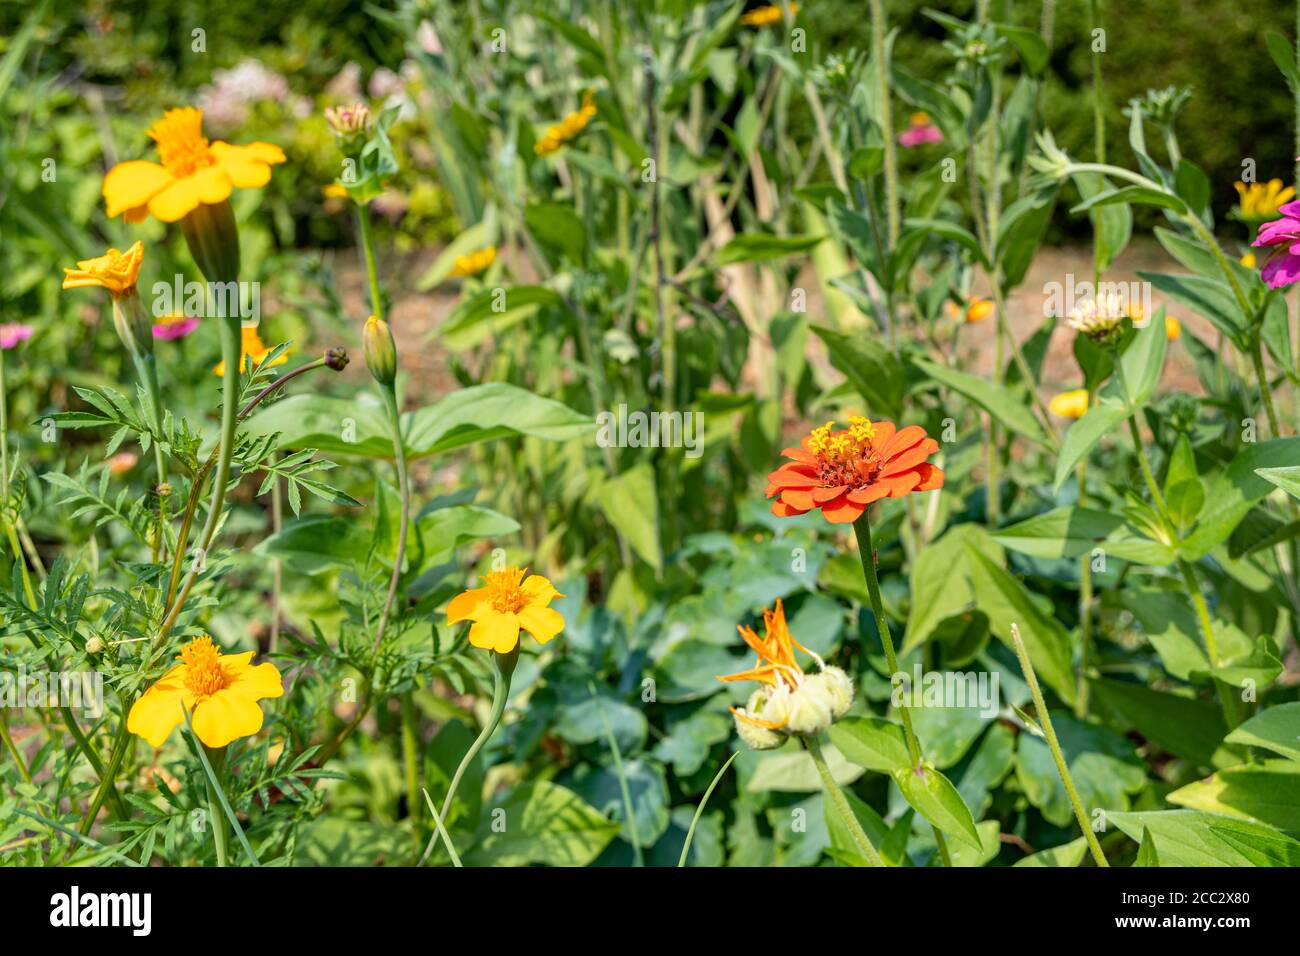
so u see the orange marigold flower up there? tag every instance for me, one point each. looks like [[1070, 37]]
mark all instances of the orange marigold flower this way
[[979, 310], [1072, 404], [567, 128], [193, 171], [766, 16], [843, 472], [115, 271], [509, 601]]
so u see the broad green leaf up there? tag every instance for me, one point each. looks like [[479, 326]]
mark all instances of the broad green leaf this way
[[647, 793], [998, 402], [1006, 602], [559, 227], [358, 426], [1183, 491], [933, 796], [547, 824], [1140, 195], [491, 311], [941, 581], [630, 503], [314, 544], [1060, 533], [1019, 234], [1275, 728], [1235, 491], [793, 771], [1288, 479], [1067, 855], [869, 367], [1104, 766], [1147, 854], [1193, 838], [1112, 225], [951, 231], [1099, 421], [1185, 726], [1267, 792], [872, 742], [1031, 47], [966, 856], [1210, 298], [1143, 361], [758, 247]]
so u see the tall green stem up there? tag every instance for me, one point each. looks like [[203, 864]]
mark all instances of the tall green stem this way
[[404, 489], [503, 667], [862, 530], [1045, 719], [841, 804]]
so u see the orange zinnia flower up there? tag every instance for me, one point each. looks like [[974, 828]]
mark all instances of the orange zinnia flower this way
[[193, 172], [843, 472]]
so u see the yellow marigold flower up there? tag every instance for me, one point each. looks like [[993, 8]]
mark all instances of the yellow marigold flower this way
[[115, 271], [252, 352], [1248, 260], [567, 128], [766, 16], [1070, 404], [1173, 328], [1263, 200], [334, 191], [220, 691], [193, 172], [979, 310], [507, 603], [475, 262]]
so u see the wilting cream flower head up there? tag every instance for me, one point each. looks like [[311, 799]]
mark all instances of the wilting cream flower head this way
[[1100, 319]]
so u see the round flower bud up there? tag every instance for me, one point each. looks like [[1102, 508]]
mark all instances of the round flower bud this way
[[94, 645], [810, 706], [337, 359], [758, 738], [381, 353], [840, 687], [766, 703]]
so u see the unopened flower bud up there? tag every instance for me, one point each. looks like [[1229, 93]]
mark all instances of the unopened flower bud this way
[[840, 686], [336, 359], [164, 490], [381, 353], [94, 645], [348, 121], [811, 704], [767, 704]]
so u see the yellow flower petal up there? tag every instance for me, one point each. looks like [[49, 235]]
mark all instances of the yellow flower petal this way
[[463, 605], [129, 186], [179, 199], [496, 632], [255, 683], [224, 717], [541, 622], [157, 713], [540, 590]]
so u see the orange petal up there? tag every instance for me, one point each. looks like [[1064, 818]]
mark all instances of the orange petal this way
[[793, 476], [865, 496], [903, 440], [842, 511], [822, 495], [931, 477], [799, 455], [783, 510], [799, 498], [900, 485], [910, 458]]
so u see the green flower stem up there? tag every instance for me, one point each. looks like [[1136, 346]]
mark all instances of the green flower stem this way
[[1044, 718], [699, 810], [230, 354], [10, 532], [372, 267], [879, 31], [13, 749], [625, 791], [862, 531], [106, 780], [1085, 604], [411, 765], [404, 489], [1098, 114], [503, 666], [147, 367], [839, 802], [216, 815]]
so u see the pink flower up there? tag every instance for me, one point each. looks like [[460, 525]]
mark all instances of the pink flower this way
[[12, 334], [172, 327], [1283, 265], [921, 131]]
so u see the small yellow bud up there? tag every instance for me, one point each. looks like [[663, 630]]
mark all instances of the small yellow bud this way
[[381, 353], [94, 645]]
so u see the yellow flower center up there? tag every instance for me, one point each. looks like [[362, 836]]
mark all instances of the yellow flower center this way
[[182, 147], [846, 457], [204, 675], [504, 590]]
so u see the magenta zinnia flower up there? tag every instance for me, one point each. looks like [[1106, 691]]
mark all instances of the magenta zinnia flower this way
[[13, 333], [1283, 265], [171, 327], [921, 131]]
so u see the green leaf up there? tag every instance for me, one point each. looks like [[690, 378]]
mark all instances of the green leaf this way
[[1006, 602], [314, 544], [1267, 792], [1143, 361], [1083, 435], [559, 227], [545, 823], [1140, 195], [491, 311], [1210, 298], [647, 792], [793, 771], [1283, 54], [945, 229], [872, 742], [1193, 838], [630, 503], [758, 247], [1031, 47], [1276, 728], [941, 581], [1008, 410], [1147, 855], [1067, 855], [935, 798], [358, 426], [1184, 726], [1184, 493], [869, 367], [1112, 225], [1019, 234], [1192, 186], [1060, 533], [1235, 491], [1288, 478]]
